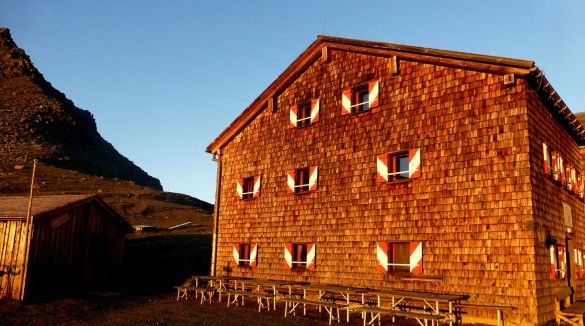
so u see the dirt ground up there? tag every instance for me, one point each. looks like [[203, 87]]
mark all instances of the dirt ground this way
[[156, 309], [153, 265]]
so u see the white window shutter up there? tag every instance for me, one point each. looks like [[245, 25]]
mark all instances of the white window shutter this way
[[562, 262], [373, 93], [553, 263], [253, 254], [382, 256], [236, 255], [313, 176], [416, 257], [346, 102], [240, 188], [414, 163], [293, 116], [290, 181], [315, 110], [546, 159], [311, 256], [382, 168], [288, 249], [257, 180]]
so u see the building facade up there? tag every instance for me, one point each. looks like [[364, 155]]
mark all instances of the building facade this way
[[397, 167]]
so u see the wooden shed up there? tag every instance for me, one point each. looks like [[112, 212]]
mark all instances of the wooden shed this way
[[72, 244], [399, 167]]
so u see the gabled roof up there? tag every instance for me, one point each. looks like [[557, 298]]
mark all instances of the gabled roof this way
[[16, 207], [486, 63]]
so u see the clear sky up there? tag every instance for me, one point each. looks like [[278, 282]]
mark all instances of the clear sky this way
[[164, 77]]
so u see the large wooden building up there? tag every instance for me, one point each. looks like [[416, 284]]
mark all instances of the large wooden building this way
[[69, 244], [398, 167]]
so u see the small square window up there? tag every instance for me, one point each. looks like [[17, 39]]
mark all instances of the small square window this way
[[302, 178], [399, 256], [299, 256], [248, 188], [361, 98], [400, 166], [244, 259], [304, 115]]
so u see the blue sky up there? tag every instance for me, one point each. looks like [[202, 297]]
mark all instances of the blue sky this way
[[164, 78]]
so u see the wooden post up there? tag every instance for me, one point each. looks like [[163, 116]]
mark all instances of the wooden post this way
[[28, 230]]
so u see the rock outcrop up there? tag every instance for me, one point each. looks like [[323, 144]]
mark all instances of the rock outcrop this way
[[39, 122]]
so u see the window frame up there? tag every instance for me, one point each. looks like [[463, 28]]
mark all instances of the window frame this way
[[352, 99], [304, 115], [298, 182], [388, 166], [248, 188], [245, 255], [388, 259], [300, 256]]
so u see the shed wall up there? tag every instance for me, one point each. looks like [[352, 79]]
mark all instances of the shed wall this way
[[13, 241]]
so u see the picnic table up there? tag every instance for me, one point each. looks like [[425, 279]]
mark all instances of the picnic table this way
[[429, 300], [274, 285], [344, 291]]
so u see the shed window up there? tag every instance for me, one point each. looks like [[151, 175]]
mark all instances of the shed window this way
[[302, 180], [304, 114], [361, 98], [400, 257], [244, 254], [398, 166], [248, 188], [299, 256]]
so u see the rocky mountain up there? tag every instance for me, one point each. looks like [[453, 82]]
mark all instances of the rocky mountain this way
[[39, 122]]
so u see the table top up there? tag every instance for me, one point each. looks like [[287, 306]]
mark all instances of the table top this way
[[444, 297], [335, 288], [269, 282]]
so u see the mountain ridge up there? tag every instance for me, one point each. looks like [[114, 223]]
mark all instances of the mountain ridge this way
[[39, 122]]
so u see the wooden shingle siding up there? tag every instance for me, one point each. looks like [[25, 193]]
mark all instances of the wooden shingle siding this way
[[479, 184]]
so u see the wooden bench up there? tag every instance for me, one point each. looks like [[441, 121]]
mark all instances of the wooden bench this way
[[499, 309], [377, 312], [331, 307], [205, 292], [243, 294]]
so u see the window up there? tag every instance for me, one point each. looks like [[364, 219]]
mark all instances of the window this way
[[301, 181], [248, 188], [558, 262], [361, 98], [579, 262], [398, 166], [546, 159], [244, 254], [403, 257], [299, 256], [304, 114]]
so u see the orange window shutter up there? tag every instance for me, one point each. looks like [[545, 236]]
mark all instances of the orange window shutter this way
[[288, 250], [253, 254], [373, 93], [313, 176], [257, 181], [382, 256], [311, 256], [382, 168], [293, 116], [546, 159], [414, 163], [236, 255], [290, 181], [240, 188], [416, 257], [315, 110], [346, 102], [553, 262]]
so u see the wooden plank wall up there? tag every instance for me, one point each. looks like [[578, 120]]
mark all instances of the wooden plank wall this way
[[12, 256], [548, 199], [82, 253], [469, 207]]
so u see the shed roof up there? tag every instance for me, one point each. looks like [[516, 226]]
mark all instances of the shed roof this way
[[491, 64], [16, 207]]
